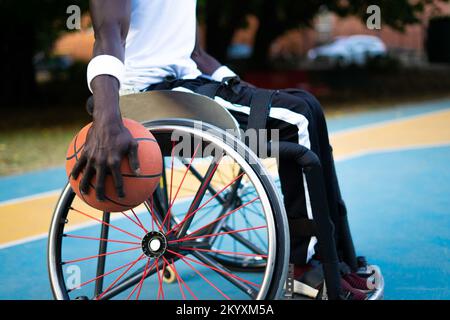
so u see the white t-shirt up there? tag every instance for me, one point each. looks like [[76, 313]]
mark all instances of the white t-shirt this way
[[160, 42]]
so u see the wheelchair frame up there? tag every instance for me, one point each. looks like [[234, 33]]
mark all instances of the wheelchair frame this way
[[183, 110]]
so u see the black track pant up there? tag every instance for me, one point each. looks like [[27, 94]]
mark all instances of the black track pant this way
[[299, 118]]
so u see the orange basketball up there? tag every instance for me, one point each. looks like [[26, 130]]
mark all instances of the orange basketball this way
[[137, 188]]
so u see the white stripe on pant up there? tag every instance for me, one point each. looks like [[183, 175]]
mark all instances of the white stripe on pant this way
[[290, 117]]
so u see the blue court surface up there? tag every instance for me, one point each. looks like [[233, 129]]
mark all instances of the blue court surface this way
[[398, 202]]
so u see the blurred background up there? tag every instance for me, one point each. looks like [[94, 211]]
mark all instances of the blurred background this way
[[325, 47], [383, 89]]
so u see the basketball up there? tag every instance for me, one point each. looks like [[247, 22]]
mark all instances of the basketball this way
[[137, 188]]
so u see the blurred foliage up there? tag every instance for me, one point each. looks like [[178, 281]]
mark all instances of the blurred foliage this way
[[45, 19], [276, 17], [28, 27], [294, 13]]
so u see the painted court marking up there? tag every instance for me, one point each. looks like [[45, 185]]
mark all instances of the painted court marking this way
[[28, 218], [401, 226]]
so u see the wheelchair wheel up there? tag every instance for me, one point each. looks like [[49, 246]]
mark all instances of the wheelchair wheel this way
[[214, 216]]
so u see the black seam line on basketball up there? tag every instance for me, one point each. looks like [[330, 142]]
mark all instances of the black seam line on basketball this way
[[115, 202], [128, 175], [76, 153], [75, 147]]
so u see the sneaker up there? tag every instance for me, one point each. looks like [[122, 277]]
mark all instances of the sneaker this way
[[350, 293], [309, 282], [356, 281]]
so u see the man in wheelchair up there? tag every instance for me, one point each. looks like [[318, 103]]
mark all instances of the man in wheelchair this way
[[145, 45]]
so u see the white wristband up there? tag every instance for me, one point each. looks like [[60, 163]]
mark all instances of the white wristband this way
[[222, 72], [105, 64]]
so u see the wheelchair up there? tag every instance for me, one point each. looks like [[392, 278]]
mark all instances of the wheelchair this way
[[215, 228]]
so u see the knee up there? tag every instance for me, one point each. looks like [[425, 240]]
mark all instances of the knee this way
[[313, 103], [315, 106]]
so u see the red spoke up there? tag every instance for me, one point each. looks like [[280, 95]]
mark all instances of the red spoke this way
[[203, 188], [227, 252], [205, 214], [200, 274], [139, 225], [105, 223], [101, 255], [225, 215], [204, 204], [216, 234], [160, 288], [99, 239], [224, 272], [152, 213], [119, 277], [139, 220], [205, 185], [103, 275], [142, 284], [178, 280], [182, 281], [163, 270], [153, 221], [140, 281], [185, 189], [179, 187]]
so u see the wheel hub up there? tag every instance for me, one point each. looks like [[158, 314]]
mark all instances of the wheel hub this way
[[154, 244]]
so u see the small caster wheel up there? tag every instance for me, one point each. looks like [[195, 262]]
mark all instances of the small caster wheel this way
[[169, 275]]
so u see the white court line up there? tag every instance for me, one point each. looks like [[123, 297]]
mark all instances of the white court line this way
[[32, 197], [333, 134], [80, 226], [89, 224], [71, 229]]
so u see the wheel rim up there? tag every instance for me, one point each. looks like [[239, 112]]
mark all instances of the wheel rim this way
[[191, 256]]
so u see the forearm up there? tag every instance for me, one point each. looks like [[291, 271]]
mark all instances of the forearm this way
[[111, 22], [205, 63]]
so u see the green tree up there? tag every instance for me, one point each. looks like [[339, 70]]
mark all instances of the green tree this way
[[27, 27], [222, 18]]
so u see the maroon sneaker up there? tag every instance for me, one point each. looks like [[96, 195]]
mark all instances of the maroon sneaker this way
[[350, 293], [356, 281], [309, 282]]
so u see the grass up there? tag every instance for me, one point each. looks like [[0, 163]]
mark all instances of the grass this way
[[35, 138], [34, 148], [38, 139]]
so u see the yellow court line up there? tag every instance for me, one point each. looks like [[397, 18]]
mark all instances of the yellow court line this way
[[428, 129], [32, 217]]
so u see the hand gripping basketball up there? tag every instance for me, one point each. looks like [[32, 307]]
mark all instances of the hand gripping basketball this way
[[115, 184]]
